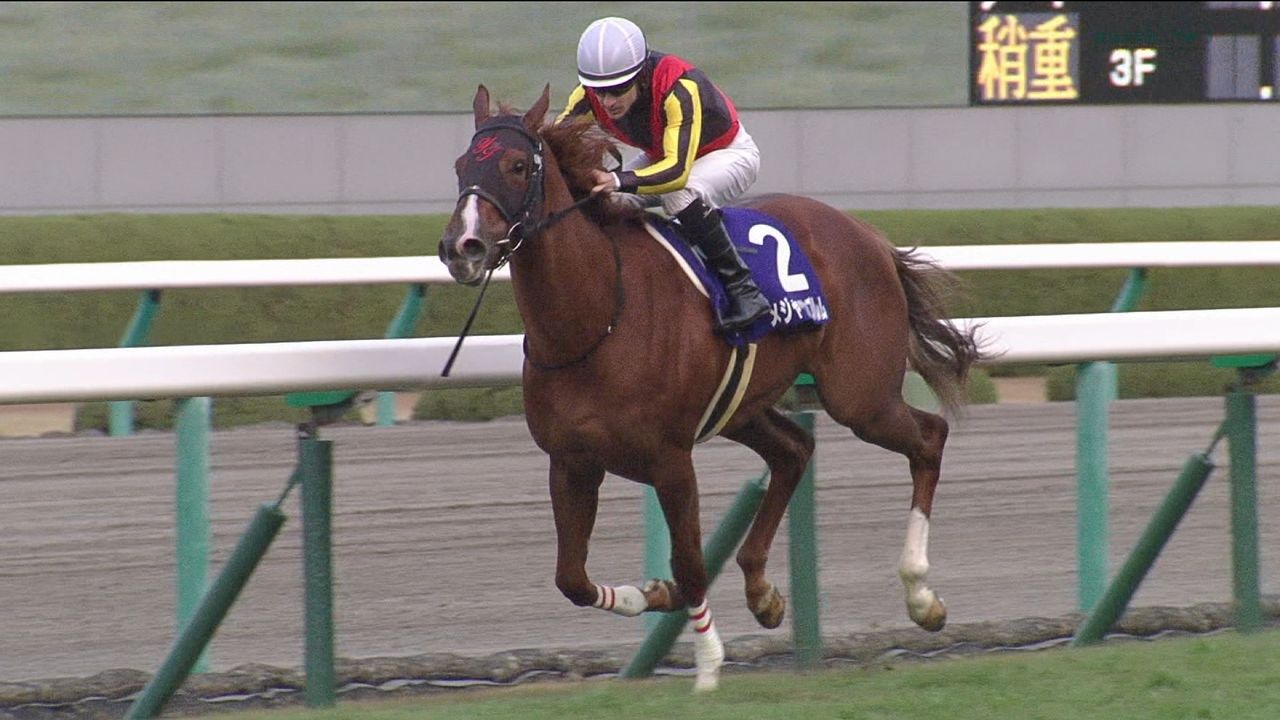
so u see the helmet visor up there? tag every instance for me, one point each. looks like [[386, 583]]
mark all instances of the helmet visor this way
[[614, 90], [620, 80]]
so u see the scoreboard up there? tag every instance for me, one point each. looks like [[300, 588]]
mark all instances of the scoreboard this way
[[1031, 53]]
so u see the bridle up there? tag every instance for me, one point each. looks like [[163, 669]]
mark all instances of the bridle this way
[[529, 215], [530, 210]]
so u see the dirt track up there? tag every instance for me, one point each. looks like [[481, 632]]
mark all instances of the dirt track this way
[[444, 539]]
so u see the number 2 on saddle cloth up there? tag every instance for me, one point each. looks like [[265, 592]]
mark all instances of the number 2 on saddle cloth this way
[[778, 265]]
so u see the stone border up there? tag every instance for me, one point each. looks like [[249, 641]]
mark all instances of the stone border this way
[[109, 694]]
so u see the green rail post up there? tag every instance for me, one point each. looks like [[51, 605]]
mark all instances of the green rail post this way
[[1095, 389], [120, 412], [803, 559], [192, 533], [400, 326], [1241, 429], [657, 548], [714, 554], [213, 608], [1241, 424], [1113, 603], [315, 467]]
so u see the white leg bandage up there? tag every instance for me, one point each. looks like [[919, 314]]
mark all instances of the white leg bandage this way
[[708, 650], [625, 600]]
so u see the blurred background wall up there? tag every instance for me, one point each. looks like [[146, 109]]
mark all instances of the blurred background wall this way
[[342, 107], [1110, 156]]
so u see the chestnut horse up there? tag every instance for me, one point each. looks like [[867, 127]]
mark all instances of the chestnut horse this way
[[621, 359]]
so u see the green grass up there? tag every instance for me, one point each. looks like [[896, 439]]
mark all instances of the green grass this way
[[1228, 676], [98, 319], [308, 57]]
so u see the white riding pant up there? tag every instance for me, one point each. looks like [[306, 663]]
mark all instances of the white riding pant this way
[[718, 178]]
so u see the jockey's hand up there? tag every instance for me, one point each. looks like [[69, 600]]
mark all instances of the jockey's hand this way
[[605, 182]]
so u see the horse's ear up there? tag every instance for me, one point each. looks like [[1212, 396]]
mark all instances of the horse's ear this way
[[537, 114], [480, 105]]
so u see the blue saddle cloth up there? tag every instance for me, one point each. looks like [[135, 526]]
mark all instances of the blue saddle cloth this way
[[793, 290]]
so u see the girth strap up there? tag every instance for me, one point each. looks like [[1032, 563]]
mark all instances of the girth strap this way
[[728, 395]]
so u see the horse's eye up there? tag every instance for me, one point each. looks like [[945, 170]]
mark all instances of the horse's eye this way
[[519, 167]]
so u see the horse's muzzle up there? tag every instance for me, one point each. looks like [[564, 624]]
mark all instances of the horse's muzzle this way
[[465, 258]]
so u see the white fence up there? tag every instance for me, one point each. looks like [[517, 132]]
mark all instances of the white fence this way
[[170, 274], [271, 368]]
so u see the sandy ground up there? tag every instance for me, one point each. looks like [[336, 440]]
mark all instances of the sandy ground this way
[[444, 539]]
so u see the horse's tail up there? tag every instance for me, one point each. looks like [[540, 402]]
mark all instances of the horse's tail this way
[[939, 351]]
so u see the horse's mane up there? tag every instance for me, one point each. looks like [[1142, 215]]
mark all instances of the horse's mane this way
[[580, 146]]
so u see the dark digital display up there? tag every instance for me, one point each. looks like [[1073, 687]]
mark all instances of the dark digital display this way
[[1023, 53]]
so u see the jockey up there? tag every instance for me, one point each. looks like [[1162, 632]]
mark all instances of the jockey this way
[[696, 155]]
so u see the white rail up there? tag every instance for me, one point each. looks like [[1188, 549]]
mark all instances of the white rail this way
[[272, 368], [1107, 255], [170, 274], [167, 274]]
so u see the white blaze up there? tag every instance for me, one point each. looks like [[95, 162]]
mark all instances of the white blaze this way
[[470, 221]]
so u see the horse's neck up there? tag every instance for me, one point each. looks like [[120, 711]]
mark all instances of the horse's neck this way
[[565, 279]]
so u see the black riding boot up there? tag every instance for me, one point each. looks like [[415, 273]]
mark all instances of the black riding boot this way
[[704, 227]]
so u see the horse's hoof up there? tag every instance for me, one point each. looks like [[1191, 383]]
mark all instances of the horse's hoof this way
[[771, 609], [708, 656], [936, 618], [662, 595]]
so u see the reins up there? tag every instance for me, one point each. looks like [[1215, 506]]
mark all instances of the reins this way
[[543, 224], [538, 227], [466, 328], [519, 238], [619, 299], [517, 235]]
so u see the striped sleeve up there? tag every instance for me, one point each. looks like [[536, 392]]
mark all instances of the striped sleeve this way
[[576, 105], [681, 137]]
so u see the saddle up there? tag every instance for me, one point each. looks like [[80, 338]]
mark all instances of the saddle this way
[[778, 265], [785, 277]]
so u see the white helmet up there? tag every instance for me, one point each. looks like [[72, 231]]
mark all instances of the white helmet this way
[[610, 52]]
